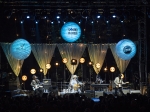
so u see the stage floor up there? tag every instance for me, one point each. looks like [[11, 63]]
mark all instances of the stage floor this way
[[88, 93]]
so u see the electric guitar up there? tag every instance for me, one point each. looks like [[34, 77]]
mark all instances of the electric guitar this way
[[37, 86]]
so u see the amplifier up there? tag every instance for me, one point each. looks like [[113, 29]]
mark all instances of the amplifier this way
[[46, 81]]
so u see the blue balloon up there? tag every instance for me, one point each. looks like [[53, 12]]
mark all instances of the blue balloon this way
[[125, 49], [70, 32], [20, 49]]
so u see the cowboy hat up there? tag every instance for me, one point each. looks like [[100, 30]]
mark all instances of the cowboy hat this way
[[74, 76]]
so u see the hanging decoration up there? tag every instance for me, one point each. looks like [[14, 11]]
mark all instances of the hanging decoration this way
[[125, 49], [20, 49], [70, 32]]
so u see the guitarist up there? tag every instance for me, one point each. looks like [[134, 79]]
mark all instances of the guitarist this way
[[35, 83], [118, 82], [75, 84]]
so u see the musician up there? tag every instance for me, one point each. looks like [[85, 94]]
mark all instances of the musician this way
[[98, 80], [35, 83], [75, 84], [118, 82]]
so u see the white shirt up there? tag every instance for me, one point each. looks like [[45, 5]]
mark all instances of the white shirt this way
[[119, 82]]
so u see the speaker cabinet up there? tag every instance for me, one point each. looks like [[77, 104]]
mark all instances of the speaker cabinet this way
[[125, 91], [135, 92], [98, 94]]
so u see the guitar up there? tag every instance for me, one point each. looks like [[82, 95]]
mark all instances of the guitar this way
[[76, 86], [37, 86], [120, 84]]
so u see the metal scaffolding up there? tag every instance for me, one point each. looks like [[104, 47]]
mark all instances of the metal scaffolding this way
[[142, 49]]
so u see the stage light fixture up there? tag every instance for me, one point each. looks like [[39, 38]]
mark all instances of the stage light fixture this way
[[41, 70], [73, 62], [48, 66], [98, 65], [112, 69], [64, 60], [56, 64], [90, 63], [21, 21], [28, 17], [58, 17], [24, 77], [33, 71], [114, 16], [98, 16], [82, 60]]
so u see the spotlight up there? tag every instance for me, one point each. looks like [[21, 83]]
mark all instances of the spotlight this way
[[28, 17], [92, 22], [21, 21], [79, 22], [52, 22], [114, 16], [58, 17], [73, 62], [98, 16], [107, 21], [36, 22]]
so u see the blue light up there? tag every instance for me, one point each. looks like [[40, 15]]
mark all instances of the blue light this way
[[36, 22], [58, 17], [125, 49], [92, 22], [114, 16], [28, 17], [107, 21], [21, 22], [98, 16], [70, 32], [79, 22], [52, 22], [20, 49], [121, 21]]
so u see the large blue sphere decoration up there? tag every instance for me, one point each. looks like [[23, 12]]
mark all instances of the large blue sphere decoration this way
[[125, 49], [20, 49], [70, 32]]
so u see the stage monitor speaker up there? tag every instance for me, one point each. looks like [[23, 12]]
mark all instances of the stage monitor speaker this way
[[98, 94], [125, 91], [89, 95], [135, 92]]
